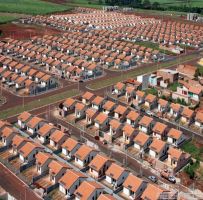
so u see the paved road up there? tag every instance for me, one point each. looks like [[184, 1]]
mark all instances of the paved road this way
[[13, 185]]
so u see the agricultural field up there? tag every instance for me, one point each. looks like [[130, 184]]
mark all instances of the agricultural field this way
[[192, 3]]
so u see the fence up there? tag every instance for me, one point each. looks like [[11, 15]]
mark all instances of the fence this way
[[25, 166], [52, 187], [4, 148], [34, 179]]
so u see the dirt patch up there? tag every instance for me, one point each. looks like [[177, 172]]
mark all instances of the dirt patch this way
[[20, 31]]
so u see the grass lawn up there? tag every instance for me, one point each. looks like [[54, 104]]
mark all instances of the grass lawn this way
[[132, 74], [85, 3], [174, 86], [195, 151], [32, 7], [151, 91], [37, 103], [7, 18]]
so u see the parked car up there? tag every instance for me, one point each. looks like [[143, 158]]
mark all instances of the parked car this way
[[153, 179], [166, 174]]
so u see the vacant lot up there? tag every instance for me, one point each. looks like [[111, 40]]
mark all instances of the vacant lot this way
[[193, 3]]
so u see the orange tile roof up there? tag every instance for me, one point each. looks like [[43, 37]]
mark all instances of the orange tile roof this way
[[199, 117], [150, 98], [69, 102], [101, 118], [174, 153], [163, 102], [86, 189], [119, 86], [34, 121], [128, 130], [188, 113], [140, 93], [115, 124], [79, 106], [132, 115], [106, 197], [17, 140], [109, 105], [157, 145], [46, 128], [132, 182], [115, 171], [24, 116], [141, 138], [97, 100], [195, 90], [145, 121], [88, 95], [176, 107], [83, 152], [70, 177], [120, 109], [159, 128], [98, 162], [42, 157], [174, 133], [28, 148], [7, 131], [152, 192], [57, 135], [70, 144], [56, 166]]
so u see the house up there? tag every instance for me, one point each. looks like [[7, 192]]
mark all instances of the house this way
[[150, 101], [91, 114], [167, 74], [108, 107], [23, 118], [163, 106], [159, 130], [47, 81], [116, 175], [56, 170], [145, 124], [68, 106], [84, 155], [154, 192], [45, 132], [101, 121], [199, 119], [175, 110], [87, 98], [34, 124], [139, 98], [195, 93], [80, 110], [70, 181], [158, 149], [142, 142], [20, 82], [28, 151], [97, 102], [133, 187], [17, 142], [130, 93], [57, 138], [120, 112], [99, 165], [187, 70], [114, 131], [88, 190], [7, 135], [175, 137], [177, 159], [106, 197], [187, 116], [43, 160], [69, 147], [119, 89], [132, 118], [128, 134]]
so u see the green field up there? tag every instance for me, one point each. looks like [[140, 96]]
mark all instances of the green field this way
[[37, 103], [165, 3], [32, 7]]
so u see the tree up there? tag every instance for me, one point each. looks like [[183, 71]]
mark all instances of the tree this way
[[156, 5], [146, 4]]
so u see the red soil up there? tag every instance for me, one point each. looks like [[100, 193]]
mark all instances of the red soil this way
[[20, 31]]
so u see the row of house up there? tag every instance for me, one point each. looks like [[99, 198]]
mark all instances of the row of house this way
[[20, 76], [70, 182], [112, 122], [160, 106]]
